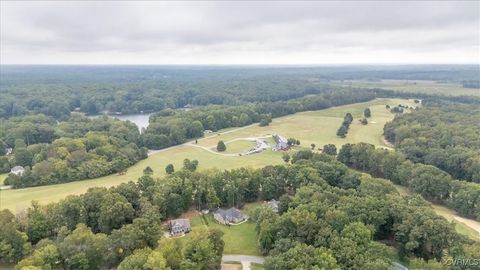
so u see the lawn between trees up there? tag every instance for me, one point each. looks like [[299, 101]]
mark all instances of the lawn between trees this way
[[313, 127]]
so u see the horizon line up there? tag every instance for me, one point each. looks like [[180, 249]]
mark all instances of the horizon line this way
[[236, 64]]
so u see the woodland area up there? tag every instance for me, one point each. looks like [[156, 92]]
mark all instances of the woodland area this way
[[76, 149], [329, 215], [442, 134]]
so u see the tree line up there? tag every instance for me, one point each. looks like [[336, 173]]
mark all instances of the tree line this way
[[135, 89], [343, 130], [171, 127], [442, 134], [329, 216], [431, 182]]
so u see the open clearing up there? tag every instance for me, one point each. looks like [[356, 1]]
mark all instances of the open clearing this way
[[318, 127], [414, 86], [239, 146], [239, 239]]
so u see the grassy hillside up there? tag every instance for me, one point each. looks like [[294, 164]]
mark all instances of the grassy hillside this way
[[318, 127]]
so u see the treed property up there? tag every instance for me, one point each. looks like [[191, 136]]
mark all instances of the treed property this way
[[322, 210]]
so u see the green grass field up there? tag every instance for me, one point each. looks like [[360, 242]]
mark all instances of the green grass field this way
[[2, 178], [239, 239], [239, 146], [255, 266], [415, 86], [318, 127]]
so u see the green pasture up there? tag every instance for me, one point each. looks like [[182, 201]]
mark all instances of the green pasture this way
[[317, 127], [239, 146]]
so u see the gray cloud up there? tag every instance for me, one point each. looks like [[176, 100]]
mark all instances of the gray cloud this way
[[239, 32]]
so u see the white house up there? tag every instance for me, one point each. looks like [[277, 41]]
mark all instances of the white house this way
[[282, 143], [17, 170]]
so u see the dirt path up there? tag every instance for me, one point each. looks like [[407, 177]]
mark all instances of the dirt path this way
[[469, 222], [387, 143], [153, 152], [211, 151]]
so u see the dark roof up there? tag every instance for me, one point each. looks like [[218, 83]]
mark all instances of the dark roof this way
[[232, 212], [180, 222]]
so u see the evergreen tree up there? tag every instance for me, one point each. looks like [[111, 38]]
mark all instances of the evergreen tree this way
[[169, 169], [342, 131], [367, 113], [221, 147]]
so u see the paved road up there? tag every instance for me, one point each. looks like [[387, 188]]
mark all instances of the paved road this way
[[399, 266], [246, 260]]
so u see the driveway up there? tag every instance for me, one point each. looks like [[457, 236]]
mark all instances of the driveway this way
[[246, 260]]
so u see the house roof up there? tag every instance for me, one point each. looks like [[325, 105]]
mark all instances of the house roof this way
[[17, 169], [180, 222], [232, 212], [279, 138], [273, 203]]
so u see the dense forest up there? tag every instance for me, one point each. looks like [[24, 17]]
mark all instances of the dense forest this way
[[329, 216], [76, 149], [442, 134], [134, 89], [431, 182]]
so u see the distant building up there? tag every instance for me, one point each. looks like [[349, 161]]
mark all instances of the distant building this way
[[273, 204], [282, 143], [230, 216], [259, 147], [180, 226], [17, 170]]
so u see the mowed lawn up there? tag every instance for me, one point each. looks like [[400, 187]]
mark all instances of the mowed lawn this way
[[2, 178], [318, 127], [239, 146], [239, 239]]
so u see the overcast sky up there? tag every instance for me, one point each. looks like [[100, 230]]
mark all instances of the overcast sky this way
[[239, 32]]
